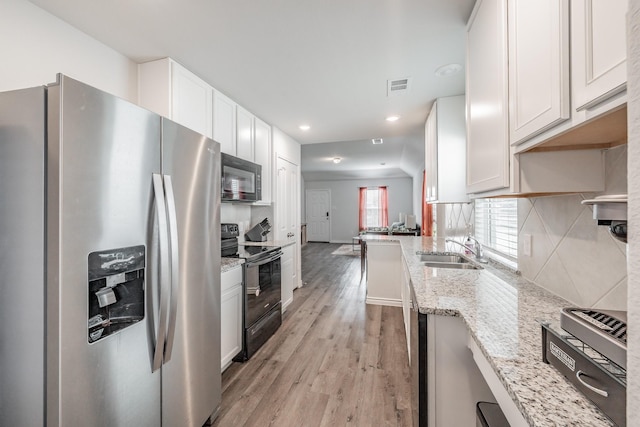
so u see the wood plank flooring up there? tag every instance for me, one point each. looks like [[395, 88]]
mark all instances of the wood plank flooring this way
[[335, 361]]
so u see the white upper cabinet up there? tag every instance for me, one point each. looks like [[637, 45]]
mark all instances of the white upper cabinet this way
[[598, 42], [263, 155], [167, 88], [539, 89], [542, 114], [244, 134], [538, 103], [253, 143], [224, 122], [445, 138], [487, 103]]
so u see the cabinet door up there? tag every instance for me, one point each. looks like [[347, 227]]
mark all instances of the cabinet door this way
[[191, 100], [231, 316], [487, 104], [538, 66], [244, 134], [599, 49], [263, 155], [287, 276], [431, 153], [450, 151], [224, 123]]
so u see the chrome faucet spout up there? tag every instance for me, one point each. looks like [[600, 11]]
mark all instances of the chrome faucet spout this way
[[461, 245], [477, 250]]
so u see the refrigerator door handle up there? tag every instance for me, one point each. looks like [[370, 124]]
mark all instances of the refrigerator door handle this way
[[163, 282], [175, 266]]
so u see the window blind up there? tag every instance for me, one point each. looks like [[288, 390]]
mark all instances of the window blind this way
[[496, 225]]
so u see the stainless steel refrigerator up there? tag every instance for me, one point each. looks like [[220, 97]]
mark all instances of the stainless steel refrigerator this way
[[109, 263]]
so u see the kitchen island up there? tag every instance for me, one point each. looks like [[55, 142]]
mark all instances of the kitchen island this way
[[501, 312]]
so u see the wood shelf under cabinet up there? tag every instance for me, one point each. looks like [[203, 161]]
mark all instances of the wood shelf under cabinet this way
[[606, 131]]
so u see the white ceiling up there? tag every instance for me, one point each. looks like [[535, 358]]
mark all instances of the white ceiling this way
[[324, 63]]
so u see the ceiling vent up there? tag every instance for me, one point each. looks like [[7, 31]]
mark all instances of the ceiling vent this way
[[377, 141], [398, 86]]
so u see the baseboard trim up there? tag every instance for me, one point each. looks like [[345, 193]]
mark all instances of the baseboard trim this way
[[384, 301]]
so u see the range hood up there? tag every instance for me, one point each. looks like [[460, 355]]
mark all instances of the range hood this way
[[611, 211]]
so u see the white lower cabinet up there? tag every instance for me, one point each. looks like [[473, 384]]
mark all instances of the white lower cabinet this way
[[287, 276], [383, 273], [454, 382], [230, 315]]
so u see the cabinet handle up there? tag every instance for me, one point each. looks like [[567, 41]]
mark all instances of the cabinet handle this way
[[599, 391]]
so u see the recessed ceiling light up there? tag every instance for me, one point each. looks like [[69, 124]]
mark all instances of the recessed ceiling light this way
[[305, 127], [448, 70], [392, 118], [377, 141], [337, 160]]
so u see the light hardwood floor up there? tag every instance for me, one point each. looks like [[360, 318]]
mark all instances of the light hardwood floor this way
[[335, 361]]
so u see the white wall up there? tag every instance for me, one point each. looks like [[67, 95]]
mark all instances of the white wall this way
[[344, 202], [36, 46], [633, 177]]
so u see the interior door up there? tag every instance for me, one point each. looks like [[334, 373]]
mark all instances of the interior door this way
[[287, 208], [318, 208]]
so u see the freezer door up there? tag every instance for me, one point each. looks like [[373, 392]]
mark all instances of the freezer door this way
[[22, 156], [102, 153], [191, 380]]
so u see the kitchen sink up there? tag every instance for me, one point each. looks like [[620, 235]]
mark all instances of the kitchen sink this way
[[443, 258], [459, 265], [447, 261]]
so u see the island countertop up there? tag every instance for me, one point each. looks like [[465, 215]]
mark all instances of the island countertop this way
[[502, 311]]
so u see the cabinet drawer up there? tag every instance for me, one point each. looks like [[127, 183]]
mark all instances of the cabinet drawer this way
[[231, 278]]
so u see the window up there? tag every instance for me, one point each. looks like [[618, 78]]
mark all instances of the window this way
[[496, 226], [373, 210]]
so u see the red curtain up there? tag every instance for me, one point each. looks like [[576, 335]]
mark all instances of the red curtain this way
[[362, 209], [384, 207], [427, 209]]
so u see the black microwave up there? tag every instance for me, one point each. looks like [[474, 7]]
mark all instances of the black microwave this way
[[241, 179]]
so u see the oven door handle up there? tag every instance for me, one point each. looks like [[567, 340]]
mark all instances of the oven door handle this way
[[264, 261]]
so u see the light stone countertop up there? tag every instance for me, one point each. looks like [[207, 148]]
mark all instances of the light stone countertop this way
[[227, 264], [501, 311]]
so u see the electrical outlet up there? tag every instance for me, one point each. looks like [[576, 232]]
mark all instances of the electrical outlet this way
[[526, 244]]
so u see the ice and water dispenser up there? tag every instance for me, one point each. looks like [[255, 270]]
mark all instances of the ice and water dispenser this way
[[116, 290]]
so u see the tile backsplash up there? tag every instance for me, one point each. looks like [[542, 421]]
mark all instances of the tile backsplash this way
[[571, 255]]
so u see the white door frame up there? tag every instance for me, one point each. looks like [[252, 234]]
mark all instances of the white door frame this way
[[306, 204]]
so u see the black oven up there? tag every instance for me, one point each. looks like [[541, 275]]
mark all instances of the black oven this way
[[262, 274], [262, 306]]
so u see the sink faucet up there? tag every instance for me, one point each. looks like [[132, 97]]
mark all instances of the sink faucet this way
[[477, 251]]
